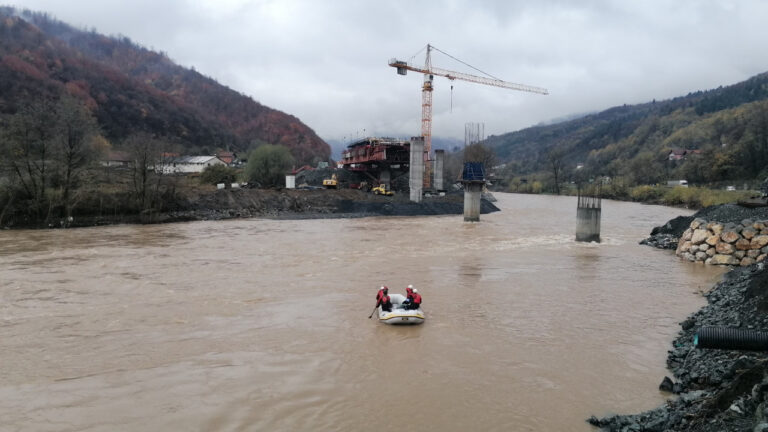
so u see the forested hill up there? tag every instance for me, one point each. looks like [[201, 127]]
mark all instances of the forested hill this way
[[132, 89], [728, 126]]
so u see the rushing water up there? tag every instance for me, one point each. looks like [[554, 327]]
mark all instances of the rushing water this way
[[251, 325]]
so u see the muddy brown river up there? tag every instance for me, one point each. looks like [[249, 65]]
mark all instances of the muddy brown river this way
[[262, 325]]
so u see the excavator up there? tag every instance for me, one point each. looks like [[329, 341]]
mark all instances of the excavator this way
[[331, 183]]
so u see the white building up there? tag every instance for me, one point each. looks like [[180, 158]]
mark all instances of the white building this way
[[187, 164]]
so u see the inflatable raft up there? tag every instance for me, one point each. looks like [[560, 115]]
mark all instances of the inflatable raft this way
[[399, 314]]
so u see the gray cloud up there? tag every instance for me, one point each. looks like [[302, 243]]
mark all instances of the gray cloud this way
[[326, 61]]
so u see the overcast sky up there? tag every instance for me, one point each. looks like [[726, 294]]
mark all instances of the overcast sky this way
[[326, 61]]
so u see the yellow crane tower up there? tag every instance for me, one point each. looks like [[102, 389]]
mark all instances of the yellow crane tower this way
[[429, 72]]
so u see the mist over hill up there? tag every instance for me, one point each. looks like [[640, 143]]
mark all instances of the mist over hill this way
[[130, 89]]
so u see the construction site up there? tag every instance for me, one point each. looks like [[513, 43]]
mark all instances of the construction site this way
[[388, 166]]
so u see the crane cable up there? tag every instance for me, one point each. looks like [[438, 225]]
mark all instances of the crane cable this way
[[464, 63]]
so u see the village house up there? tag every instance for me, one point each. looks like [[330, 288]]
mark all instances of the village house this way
[[679, 154], [117, 159], [187, 164]]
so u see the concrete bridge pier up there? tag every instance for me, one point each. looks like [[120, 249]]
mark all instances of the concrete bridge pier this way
[[416, 180], [472, 193], [439, 162], [588, 213]]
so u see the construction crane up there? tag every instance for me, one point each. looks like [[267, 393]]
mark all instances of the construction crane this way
[[429, 72]]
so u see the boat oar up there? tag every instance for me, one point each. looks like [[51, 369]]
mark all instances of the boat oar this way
[[374, 310]]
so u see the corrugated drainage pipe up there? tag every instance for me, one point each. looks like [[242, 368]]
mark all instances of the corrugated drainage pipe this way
[[731, 339]]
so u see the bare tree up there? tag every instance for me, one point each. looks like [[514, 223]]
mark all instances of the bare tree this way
[[75, 129], [555, 158], [144, 151], [26, 146], [477, 152]]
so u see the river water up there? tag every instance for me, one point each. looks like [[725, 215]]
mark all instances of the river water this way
[[251, 325]]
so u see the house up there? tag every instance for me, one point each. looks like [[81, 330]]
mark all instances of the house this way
[[187, 164], [679, 154], [117, 159], [226, 156]]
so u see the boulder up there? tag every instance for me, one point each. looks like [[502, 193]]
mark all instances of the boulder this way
[[711, 252], [698, 222], [759, 225], [747, 261], [748, 232], [723, 260], [712, 240], [689, 256], [742, 244], [694, 248], [687, 234], [764, 231], [739, 254], [715, 227], [759, 242], [747, 222], [684, 247], [753, 253], [723, 248], [701, 256], [764, 250], [703, 247], [729, 236], [699, 236], [761, 258]]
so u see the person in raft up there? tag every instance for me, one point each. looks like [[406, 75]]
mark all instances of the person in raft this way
[[408, 296], [416, 302], [383, 300]]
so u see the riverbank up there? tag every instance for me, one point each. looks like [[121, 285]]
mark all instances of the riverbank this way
[[220, 204], [718, 390]]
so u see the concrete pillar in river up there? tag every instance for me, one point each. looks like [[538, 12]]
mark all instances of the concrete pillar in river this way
[[416, 180], [588, 213], [472, 194], [473, 178], [439, 160]]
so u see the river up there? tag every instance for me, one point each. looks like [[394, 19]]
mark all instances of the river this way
[[253, 324]]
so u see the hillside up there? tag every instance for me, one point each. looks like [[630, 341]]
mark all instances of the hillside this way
[[728, 126], [130, 89]]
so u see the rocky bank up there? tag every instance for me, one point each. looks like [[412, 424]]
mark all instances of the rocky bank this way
[[716, 390], [276, 204]]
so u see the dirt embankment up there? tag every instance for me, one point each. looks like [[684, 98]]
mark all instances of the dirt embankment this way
[[199, 204], [718, 390]]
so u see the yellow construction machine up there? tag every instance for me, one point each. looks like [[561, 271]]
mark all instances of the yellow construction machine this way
[[331, 183], [382, 190]]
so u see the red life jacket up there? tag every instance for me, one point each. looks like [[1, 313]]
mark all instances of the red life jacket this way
[[417, 299], [410, 293], [379, 295]]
